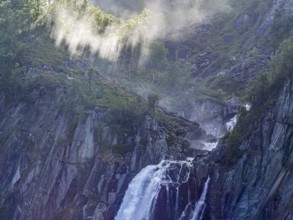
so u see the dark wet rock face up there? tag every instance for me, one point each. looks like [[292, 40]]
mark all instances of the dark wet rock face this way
[[57, 165], [177, 195], [259, 185], [62, 165]]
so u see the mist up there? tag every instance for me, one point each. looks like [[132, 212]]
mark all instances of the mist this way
[[78, 31]]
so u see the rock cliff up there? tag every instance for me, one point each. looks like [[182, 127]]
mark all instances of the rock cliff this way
[[259, 185], [70, 145], [56, 165]]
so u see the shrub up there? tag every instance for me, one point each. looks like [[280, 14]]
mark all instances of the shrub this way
[[262, 94], [122, 148], [152, 102]]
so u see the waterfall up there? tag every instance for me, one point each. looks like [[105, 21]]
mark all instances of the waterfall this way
[[231, 123], [200, 205], [141, 197], [247, 106], [210, 145]]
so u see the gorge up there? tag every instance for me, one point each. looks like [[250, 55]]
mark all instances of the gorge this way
[[190, 123]]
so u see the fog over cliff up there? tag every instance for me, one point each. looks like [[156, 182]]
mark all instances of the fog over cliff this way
[[159, 19]]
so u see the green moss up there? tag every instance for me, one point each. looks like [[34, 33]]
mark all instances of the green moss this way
[[262, 94], [45, 52], [288, 166], [122, 148], [71, 126], [281, 26], [5, 134]]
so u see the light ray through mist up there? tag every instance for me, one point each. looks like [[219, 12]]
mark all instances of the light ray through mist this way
[[79, 31]]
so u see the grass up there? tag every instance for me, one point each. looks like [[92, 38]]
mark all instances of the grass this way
[[45, 52]]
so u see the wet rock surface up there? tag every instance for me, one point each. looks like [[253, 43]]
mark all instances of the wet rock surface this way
[[57, 165], [259, 185]]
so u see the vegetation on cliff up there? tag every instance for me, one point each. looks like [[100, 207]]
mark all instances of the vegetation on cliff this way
[[262, 94], [198, 67]]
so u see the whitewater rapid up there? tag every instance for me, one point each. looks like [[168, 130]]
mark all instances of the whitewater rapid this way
[[141, 197]]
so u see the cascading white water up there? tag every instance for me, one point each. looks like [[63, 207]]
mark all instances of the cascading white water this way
[[200, 205], [247, 106], [210, 145], [231, 123], [142, 193]]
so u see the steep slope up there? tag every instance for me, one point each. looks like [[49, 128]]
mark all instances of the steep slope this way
[[259, 185], [64, 159], [253, 180], [72, 140]]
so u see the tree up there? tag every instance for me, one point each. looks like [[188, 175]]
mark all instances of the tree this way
[[258, 90], [158, 56], [282, 25], [267, 85], [34, 8], [282, 65], [12, 44], [152, 102]]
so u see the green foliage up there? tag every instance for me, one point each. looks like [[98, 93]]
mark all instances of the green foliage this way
[[258, 90], [282, 65], [11, 31], [5, 134], [136, 25], [262, 94], [71, 126], [265, 88], [122, 148], [253, 54], [152, 102], [179, 74], [245, 119], [158, 56], [34, 9], [15, 40], [281, 26], [232, 153], [77, 99], [44, 52], [99, 19], [124, 123], [102, 19], [288, 166]]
